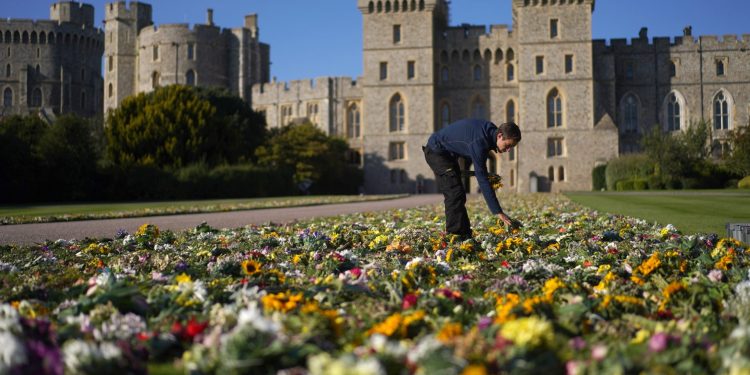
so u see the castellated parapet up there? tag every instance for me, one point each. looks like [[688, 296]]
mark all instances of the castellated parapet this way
[[52, 66], [142, 56]]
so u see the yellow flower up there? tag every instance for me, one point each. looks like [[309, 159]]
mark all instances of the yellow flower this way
[[449, 332], [250, 267], [528, 332], [604, 283], [147, 229], [474, 370], [466, 246], [726, 261], [388, 327], [398, 245], [649, 265], [551, 286], [183, 278], [640, 336], [504, 306], [283, 302]]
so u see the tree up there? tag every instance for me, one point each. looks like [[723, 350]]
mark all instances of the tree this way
[[20, 167], [310, 155], [678, 155], [739, 159]]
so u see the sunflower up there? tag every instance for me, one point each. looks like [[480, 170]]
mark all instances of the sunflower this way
[[250, 267]]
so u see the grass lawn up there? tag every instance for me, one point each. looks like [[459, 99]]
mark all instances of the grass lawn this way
[[65, 212], [691, 211]]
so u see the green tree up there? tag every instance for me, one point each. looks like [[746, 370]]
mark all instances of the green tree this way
[[739, 159], [678, 155], [20, 167], [308, 154]]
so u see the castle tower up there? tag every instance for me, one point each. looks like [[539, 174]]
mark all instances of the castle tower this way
[[398, 89], [562, 137], [123, 22]]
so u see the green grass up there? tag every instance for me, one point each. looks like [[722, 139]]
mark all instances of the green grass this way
[[695, 211], [65, 212]]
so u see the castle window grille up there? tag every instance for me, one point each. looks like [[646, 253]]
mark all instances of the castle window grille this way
[[721, 112], [719, 68], [554, 147], [510, 72], [191, 51], [396, 33], [36, 97], [445, 115], [353, 126], [190, 78], [477, 73], [444, 76], [568, 63], [8, 97], [553, 30], [551, 174], [396, 151], [630, 114], [510, 112], [383, 71], [554, 109], [673, 113], [561, 173], [410, 70], [397, 114], [155, 52]]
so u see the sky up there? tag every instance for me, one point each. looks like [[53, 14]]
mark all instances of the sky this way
[[313, 38]]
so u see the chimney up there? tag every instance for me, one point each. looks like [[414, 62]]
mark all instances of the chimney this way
[[210, 17]]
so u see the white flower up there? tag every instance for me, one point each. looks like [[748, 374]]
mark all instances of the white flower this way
[[12, 352], [253, 316], [80, 355], [414, 262], [423, 349], [8, 318]]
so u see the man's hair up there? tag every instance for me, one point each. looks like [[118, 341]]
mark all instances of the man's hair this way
[[510, 130]]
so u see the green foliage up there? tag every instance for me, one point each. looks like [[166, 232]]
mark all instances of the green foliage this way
[[599, 177], [678, 155], [308, 154], [739, 160], [19, 170], [744, 183], [628, 167], [176, 126]]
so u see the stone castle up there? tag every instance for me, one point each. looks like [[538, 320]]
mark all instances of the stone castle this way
[[578, 101]]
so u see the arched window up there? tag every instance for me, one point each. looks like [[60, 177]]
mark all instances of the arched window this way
[[561, 173], [8, 97], [397, 114], [42, 37], [380, 6], [33, 37], [630, 114], [510, 72], [554, 109], [674, 113], [8, 37], [498, 56], [445, 115], [110, 91], [477, 73], [551, 174], [16, 37], [477, 108], [51, 37], [25, 37], [190, 78], [444, 74], [371, 7], [387, 6], [155, 80], [487, 55], [510, 55], [413, 5], [510, 111], [353, 122], [36, 97], [721, 112]]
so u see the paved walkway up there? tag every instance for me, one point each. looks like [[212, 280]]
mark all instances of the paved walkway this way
[[36, 233]]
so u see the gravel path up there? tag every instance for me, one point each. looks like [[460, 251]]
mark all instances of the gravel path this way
[[27, 234]]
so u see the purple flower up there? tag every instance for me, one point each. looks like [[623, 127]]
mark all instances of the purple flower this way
[[658, 342], [484, 322], [121, 233], [181, 266], [577, 343]]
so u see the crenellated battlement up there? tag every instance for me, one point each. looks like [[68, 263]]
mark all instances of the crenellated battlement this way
[[534, 3], [728, 41], [73, 12], [302, 87]]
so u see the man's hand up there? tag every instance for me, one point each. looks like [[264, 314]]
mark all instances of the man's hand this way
[[508, 221]]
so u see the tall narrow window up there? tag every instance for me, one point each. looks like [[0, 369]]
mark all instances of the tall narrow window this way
[[83, 100], [36, 97], [353, 122], [110, 91], [630, 114], [155, 52], [191, 51], [539, 64], [396, 33], [7, 70], [444, 74], [629, 70], [477, 73], [445, 115], [553, 32], [720, 67], [397, 114], [554, 147], [155, 80], [110, 63], [410, 70], [8, 97], [510, 111], [554, 109], [673, 113], [510, 73], [721, 112], [568, 63], [672, 69], [561, 173], [551, 174], [396, 151], [190, 77], [383, 70]]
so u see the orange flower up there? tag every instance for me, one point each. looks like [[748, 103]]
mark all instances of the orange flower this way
[[250, 267]]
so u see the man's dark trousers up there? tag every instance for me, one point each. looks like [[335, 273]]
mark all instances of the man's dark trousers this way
[[448, 178]]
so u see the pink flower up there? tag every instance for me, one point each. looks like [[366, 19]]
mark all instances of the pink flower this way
[[658, 342], [715, 275], [599, 352], [410, 300], [577, 343], [572, 367]]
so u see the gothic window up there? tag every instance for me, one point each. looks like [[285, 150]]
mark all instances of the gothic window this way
[[477, 109], [51, 38], [498, 56], [8, 38], [672, 69], [25, 38], [312, 113], [353, 122], [155, 80], [387, 6], [371, 7], [630, 114], [397, 114], [445, 115], [190, 77], [510, 56], [477, 73], [8, 97], [487, 56], [510, 72], [510, 111], [554, 147], [380, 6], [286, 114], [42, 38], [720, 67], [110, 63], [721, 112], [33, 37], [554, 109], [551, 174], [396, 151], [36, 97], [16, 37], [674, 114]]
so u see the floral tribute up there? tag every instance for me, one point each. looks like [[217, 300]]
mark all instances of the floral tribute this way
[[573, 291]]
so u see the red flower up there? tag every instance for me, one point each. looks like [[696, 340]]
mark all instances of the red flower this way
[[410, 300], [189, 331], [587, 264], [505, 264], [356, 271]]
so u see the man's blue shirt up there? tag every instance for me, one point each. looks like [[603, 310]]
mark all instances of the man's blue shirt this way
[[473, 139]]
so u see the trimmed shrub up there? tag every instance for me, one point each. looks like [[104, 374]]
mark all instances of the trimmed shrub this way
[[640, 184], [624, 185], [744, 183], [628, 167], [655, 183], [599, 177]]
